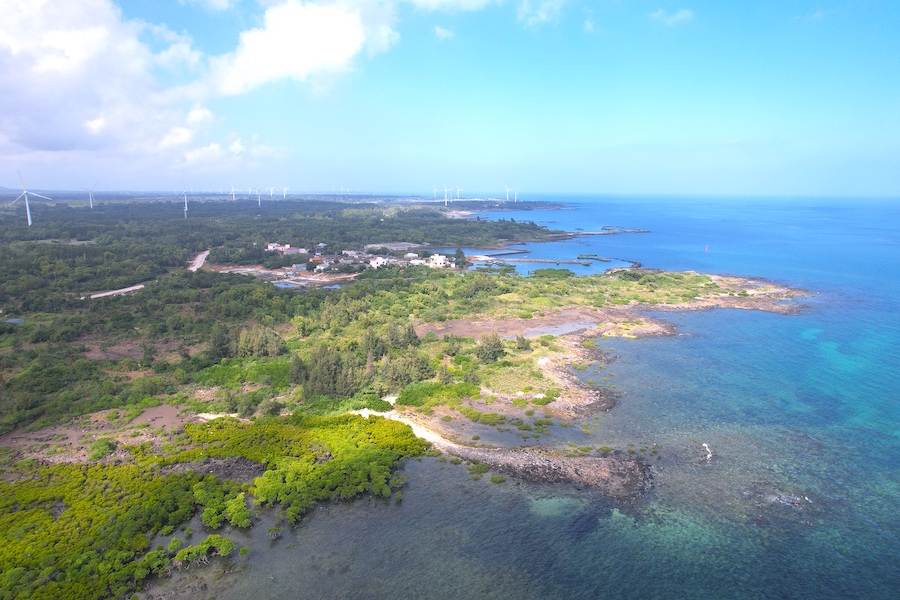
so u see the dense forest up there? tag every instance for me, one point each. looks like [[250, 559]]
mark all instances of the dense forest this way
[[288, 363], [71, 251]]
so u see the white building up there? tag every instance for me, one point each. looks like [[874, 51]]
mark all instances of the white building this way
[[438, 261]]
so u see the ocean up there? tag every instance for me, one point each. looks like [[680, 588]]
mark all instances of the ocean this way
[[800, 412]]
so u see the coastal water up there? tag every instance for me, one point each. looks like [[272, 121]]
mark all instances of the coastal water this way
[[801, 414]]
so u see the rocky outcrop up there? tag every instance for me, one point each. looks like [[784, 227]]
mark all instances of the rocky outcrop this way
[[613, 475]]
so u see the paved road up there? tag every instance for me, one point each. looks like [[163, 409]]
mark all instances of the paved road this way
[[198, 261], [133, 288], [195, 264]]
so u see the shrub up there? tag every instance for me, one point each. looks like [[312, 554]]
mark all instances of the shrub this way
[[478, 468], [492, 418], [490, 349], [471, 413], [101, 448], [417, 394]]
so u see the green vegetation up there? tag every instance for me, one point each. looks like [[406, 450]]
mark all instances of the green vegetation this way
[[86, 531], [208, 329], [420, 394], [101, 448], [235, 344]]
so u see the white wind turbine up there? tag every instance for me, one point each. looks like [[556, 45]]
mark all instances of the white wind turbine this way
[[516, 195], [185, 197], [507, 193], [258, 201], [90, 192], [271, 191], [232, 191], [458, 190], [446, 189], [434, 193], [284, 192], [25, 194]]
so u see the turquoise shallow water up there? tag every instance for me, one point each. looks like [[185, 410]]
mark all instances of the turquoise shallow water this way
[[801, 412]]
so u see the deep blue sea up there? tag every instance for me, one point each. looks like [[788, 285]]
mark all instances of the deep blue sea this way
[[802, 413]]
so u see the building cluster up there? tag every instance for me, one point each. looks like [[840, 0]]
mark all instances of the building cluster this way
[[350, 258], [285, 249]]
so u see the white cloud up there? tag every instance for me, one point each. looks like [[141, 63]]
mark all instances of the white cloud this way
[[74, 75], [85, 90], [451, 5], [297, 41], [177, 49], [533, 14], [207, 155], [237, 147], [95, 125], [177, 136], [443, 34], [237, 154], [199, 115], [79, 77], [589, 26], [682, 15], [216, 5]]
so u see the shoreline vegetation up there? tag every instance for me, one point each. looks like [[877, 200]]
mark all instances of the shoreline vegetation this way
[[219, 394]]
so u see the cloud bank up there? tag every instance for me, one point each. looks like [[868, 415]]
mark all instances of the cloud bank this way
[[81, 77]]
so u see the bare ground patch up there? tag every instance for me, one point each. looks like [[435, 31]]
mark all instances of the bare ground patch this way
[[744, 293], [616, 320], [133, 348], [236, 469], [70, 442]]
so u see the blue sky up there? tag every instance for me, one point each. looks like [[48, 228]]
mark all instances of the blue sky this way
[[773, 97]]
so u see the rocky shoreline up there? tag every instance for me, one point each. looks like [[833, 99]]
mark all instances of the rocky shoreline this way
[[612, 475]]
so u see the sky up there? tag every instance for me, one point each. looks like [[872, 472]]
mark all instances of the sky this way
[[770, 97]]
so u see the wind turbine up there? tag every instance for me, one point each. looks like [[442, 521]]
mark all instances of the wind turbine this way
[[25, 194], [185, 197], [232, 192], [271, 191], [90, 192], [284, 192], [516, 196], [446, 189], [434, 193], [258, 201], [458, 190], [507, 193]]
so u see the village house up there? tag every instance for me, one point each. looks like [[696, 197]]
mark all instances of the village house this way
[[438, 261]]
